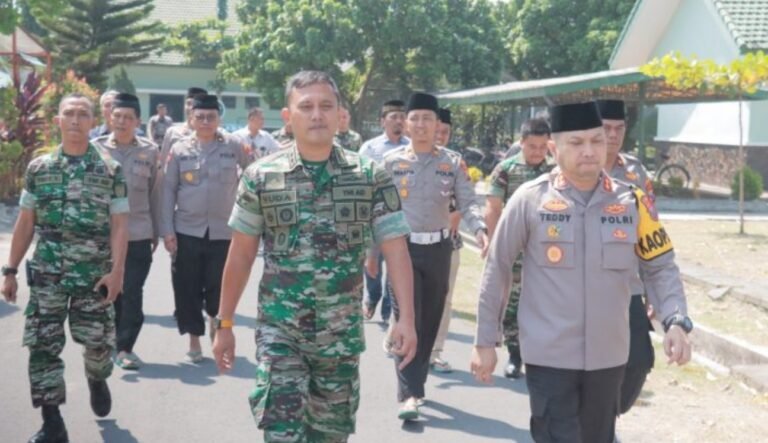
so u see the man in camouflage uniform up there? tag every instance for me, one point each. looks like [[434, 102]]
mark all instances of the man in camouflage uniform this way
[[532, 161], [283, 136], [75, 200], [345, 136], [624, 167], [139, 158], [317, 207]]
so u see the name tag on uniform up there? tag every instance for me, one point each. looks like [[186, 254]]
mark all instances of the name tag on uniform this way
[[98, 181], [274, 198], [352, 192], [49, 179], [351, 179]]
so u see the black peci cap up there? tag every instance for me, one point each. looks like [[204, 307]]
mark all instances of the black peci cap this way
[[423, 101], [206, 101], [195, 91], [612, 109], [575, 117], [125, 100], [444, 114]]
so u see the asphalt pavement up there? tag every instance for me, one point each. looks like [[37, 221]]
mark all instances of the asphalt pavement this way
[[169, 400]]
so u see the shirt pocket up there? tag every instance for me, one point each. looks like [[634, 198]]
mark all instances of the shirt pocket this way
[[140, 175], [228, 169], [554, 245], [94, 208], [189, 172], [618, 244], [49, 206]]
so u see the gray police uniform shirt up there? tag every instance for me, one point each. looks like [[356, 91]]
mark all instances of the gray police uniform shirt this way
[[200, 184], [578, 260], [427, 183], [172, 135], [140, 163], [630, 170], [262, 144], [377, 147]]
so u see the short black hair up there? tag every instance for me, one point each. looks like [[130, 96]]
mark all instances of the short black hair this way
[[302, 79], [535, 126], [255, 111]]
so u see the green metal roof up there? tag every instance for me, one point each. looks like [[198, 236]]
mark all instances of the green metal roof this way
[[625, 84], [747, 20]]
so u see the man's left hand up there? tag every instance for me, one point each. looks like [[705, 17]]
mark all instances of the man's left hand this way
[[454, 222], [114, 284], [677, 346]]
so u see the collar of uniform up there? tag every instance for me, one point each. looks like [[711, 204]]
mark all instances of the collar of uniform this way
[[620, 160], [218, 138], [338, 160], [112, 142], [411, 153], [561, 183]]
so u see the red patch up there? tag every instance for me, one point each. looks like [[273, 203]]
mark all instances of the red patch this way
[[445, 167], [649, 186], [631, 176], [620, 234], [615, 209], [648, 203], [561, 182], [403, 165], [463, 166], [556, 205], [607, 184]]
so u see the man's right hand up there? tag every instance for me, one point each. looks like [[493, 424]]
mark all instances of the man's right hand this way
[[372, 266], [10, 287], [483, 363], [224, 349], [169, 241]]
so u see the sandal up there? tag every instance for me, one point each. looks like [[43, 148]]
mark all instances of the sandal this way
[[195, 356], [128, 361], [368, 311]]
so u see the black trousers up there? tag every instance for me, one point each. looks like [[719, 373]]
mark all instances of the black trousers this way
[[199, 266], [641, 354], [431, 269], [129, 315], [573, 406]]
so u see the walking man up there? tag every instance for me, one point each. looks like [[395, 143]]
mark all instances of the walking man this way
[[75, 200], [346, 137], [316, 207], [158, 124], [258, 140]]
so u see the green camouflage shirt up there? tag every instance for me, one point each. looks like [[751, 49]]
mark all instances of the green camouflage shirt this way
[[73, 198], [315, 239], [349, 140], [507, 176]]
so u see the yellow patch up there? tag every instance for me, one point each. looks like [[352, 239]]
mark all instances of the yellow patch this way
[[404, 193], [556, 205], [653, 241], [404, 181], [631, 176], [554, 254], [553, 231], [403, 165], [189, 177], [143, 156]]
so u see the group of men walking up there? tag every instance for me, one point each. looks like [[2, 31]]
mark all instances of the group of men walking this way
[[569, 246]]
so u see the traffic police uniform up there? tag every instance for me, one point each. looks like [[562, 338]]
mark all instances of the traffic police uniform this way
[[139, 161], [316, 222], [641, 355], [199, 188], [426, 184], [580, 254]]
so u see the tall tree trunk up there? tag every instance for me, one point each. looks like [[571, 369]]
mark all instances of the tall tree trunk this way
[[742, 165]]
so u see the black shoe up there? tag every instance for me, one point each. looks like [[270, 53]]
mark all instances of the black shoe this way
[[512, 371], [101, 399], [53, 430]]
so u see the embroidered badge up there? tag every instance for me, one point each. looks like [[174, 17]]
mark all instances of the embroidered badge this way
[[619, 234], [554, 254], [615, 209], [556, 205], [553, 231], [631, 176]]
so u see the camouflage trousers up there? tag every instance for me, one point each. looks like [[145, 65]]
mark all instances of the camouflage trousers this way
[[300, 396], [511, 330], [90, 323]]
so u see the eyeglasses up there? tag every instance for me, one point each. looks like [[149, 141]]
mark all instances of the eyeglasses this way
[[209, 118]]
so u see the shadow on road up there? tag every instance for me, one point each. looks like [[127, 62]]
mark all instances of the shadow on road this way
[[463, 378], [442, 416], [7, 309], [167, 321], [112, 433], [201, 374], [461, 338]]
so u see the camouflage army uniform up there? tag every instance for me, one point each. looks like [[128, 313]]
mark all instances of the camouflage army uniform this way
[[282, 137], [73, 199], [316, 223], [349, 140], [506, 177]]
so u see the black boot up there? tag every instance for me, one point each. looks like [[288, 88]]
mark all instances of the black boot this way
[[514, 366], [101, 400], [53, 430]]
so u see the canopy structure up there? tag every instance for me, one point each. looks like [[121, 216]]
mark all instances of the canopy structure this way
[[629, 85], [22, 48]]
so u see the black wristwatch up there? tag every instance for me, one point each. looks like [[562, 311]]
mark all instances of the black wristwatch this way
[[7, 270], [683, 321]]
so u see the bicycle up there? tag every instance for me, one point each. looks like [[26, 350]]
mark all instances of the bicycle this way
[[671, 174]]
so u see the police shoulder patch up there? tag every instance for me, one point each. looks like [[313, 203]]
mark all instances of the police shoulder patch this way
[[653, 240]]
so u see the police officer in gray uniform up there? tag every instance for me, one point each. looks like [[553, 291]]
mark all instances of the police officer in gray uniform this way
[[427, 177], [139, 158], [199, 188], [629, 169], [583, 236], [177, 132]]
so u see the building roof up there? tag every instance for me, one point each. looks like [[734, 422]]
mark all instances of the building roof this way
[[175, 12], [625, 84], [748, 22]]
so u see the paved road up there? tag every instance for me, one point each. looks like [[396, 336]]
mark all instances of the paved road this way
[[169, 400]]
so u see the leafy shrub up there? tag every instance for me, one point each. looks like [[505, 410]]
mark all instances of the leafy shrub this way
[[753, 185]]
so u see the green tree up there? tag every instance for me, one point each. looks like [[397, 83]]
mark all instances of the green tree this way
[[121, 82], [12, 11], [737, 79], [92, 36], [371, 47], [552, 38]]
